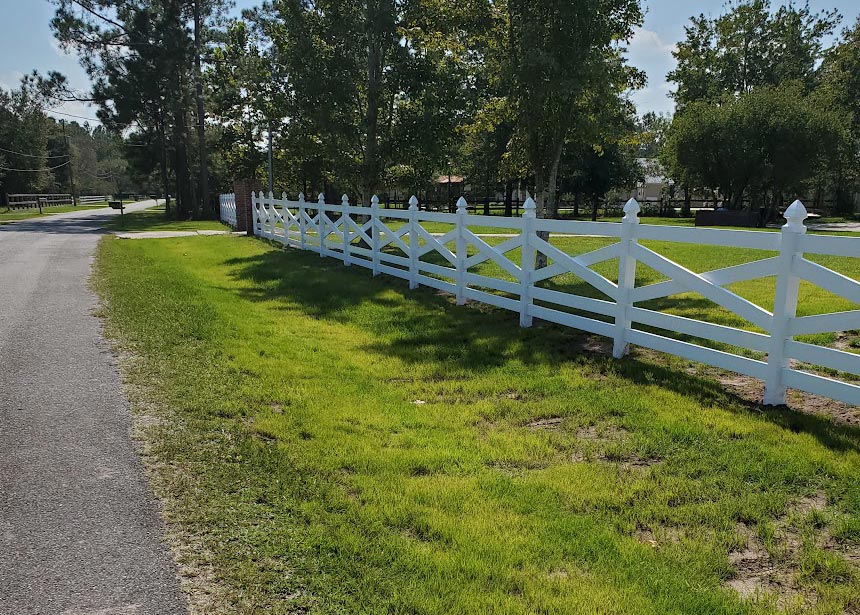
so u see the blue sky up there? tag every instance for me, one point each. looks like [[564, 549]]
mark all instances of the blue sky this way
[[26, 44]]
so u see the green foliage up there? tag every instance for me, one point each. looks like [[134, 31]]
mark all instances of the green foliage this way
[[840, 90], [771, 139], [373, 90], [24, 128], [141, 57], [565, 64], [749, 46]]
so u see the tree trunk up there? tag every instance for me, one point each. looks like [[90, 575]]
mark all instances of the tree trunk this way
[[164, 178], [686, 211], [184, 206], [577, 200], [547, 205], [205, 205], [374, 88], [595, 204], [509, 199]]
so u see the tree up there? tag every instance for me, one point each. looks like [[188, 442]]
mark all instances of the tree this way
[[840, 89], [652, 129], [771, 140], [372, 89], [24, 135], [143, 56], [749, 46], [561, 54]]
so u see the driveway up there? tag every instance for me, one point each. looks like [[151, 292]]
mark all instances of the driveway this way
[[80, 532]]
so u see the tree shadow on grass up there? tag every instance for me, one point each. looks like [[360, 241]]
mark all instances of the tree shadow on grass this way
[[430, 327]]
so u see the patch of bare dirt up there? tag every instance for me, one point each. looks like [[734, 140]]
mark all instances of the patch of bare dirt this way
[[760, 572], [558, 574], [547, 423], [751, 391], [597, 345], [658, 537], [598, 441], [807, 504], [604, 435], [758, 575]]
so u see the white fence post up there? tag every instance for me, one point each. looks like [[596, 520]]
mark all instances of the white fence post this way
[[346, 230], [321, 227], [414, 242], [527, 262], [785, 303], [462, 250], [374, 232], [302, 225], [270, 218], [255, 214], [626, 278], [285, 219]]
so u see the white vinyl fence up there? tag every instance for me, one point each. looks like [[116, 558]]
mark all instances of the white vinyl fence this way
[[394, 242], [93, 199], [228, 209]]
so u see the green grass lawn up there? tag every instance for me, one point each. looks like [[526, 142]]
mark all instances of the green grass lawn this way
[[153, 219], [329, 442], [11, 215]]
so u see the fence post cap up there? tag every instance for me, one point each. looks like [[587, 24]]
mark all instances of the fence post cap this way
[[413, 203], [631, 212], [321, 198], [301, 197], [283, 196], [530, 207], [461, 205], [795, 215], [374, 201], [271, 194], [344, 200]]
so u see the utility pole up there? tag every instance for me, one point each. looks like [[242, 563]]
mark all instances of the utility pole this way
[[71, 166], [271, 177]]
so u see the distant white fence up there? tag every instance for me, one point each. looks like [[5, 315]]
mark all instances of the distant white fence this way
[[362, 236], [89, 200], [228, 209]]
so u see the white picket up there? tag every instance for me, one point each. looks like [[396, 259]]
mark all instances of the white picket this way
[[618, 317]]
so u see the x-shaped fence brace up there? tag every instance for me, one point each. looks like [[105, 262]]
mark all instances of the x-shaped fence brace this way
[[361, 235]]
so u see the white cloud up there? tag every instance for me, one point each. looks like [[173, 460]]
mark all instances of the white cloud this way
[[55, 45], [650, 53], [10, 79]]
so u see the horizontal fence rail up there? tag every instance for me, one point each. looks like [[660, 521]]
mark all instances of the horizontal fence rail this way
[[30, 201], [90, 200], [397, 243]]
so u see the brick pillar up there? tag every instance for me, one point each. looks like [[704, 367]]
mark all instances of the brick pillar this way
[[243, 189]]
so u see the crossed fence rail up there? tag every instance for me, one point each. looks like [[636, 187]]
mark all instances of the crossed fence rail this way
[[369, 237], [228, 208]]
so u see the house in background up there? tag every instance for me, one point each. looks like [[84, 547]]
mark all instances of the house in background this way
[[655, 185]]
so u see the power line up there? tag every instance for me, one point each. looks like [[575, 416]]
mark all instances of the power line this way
[[9, 151], [80, 117], [35, 170]]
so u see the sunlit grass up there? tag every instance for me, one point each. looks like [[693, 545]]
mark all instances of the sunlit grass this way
[[336, 443], [11, 215]]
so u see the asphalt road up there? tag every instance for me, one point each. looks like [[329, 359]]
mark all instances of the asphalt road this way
[[79, 528]]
